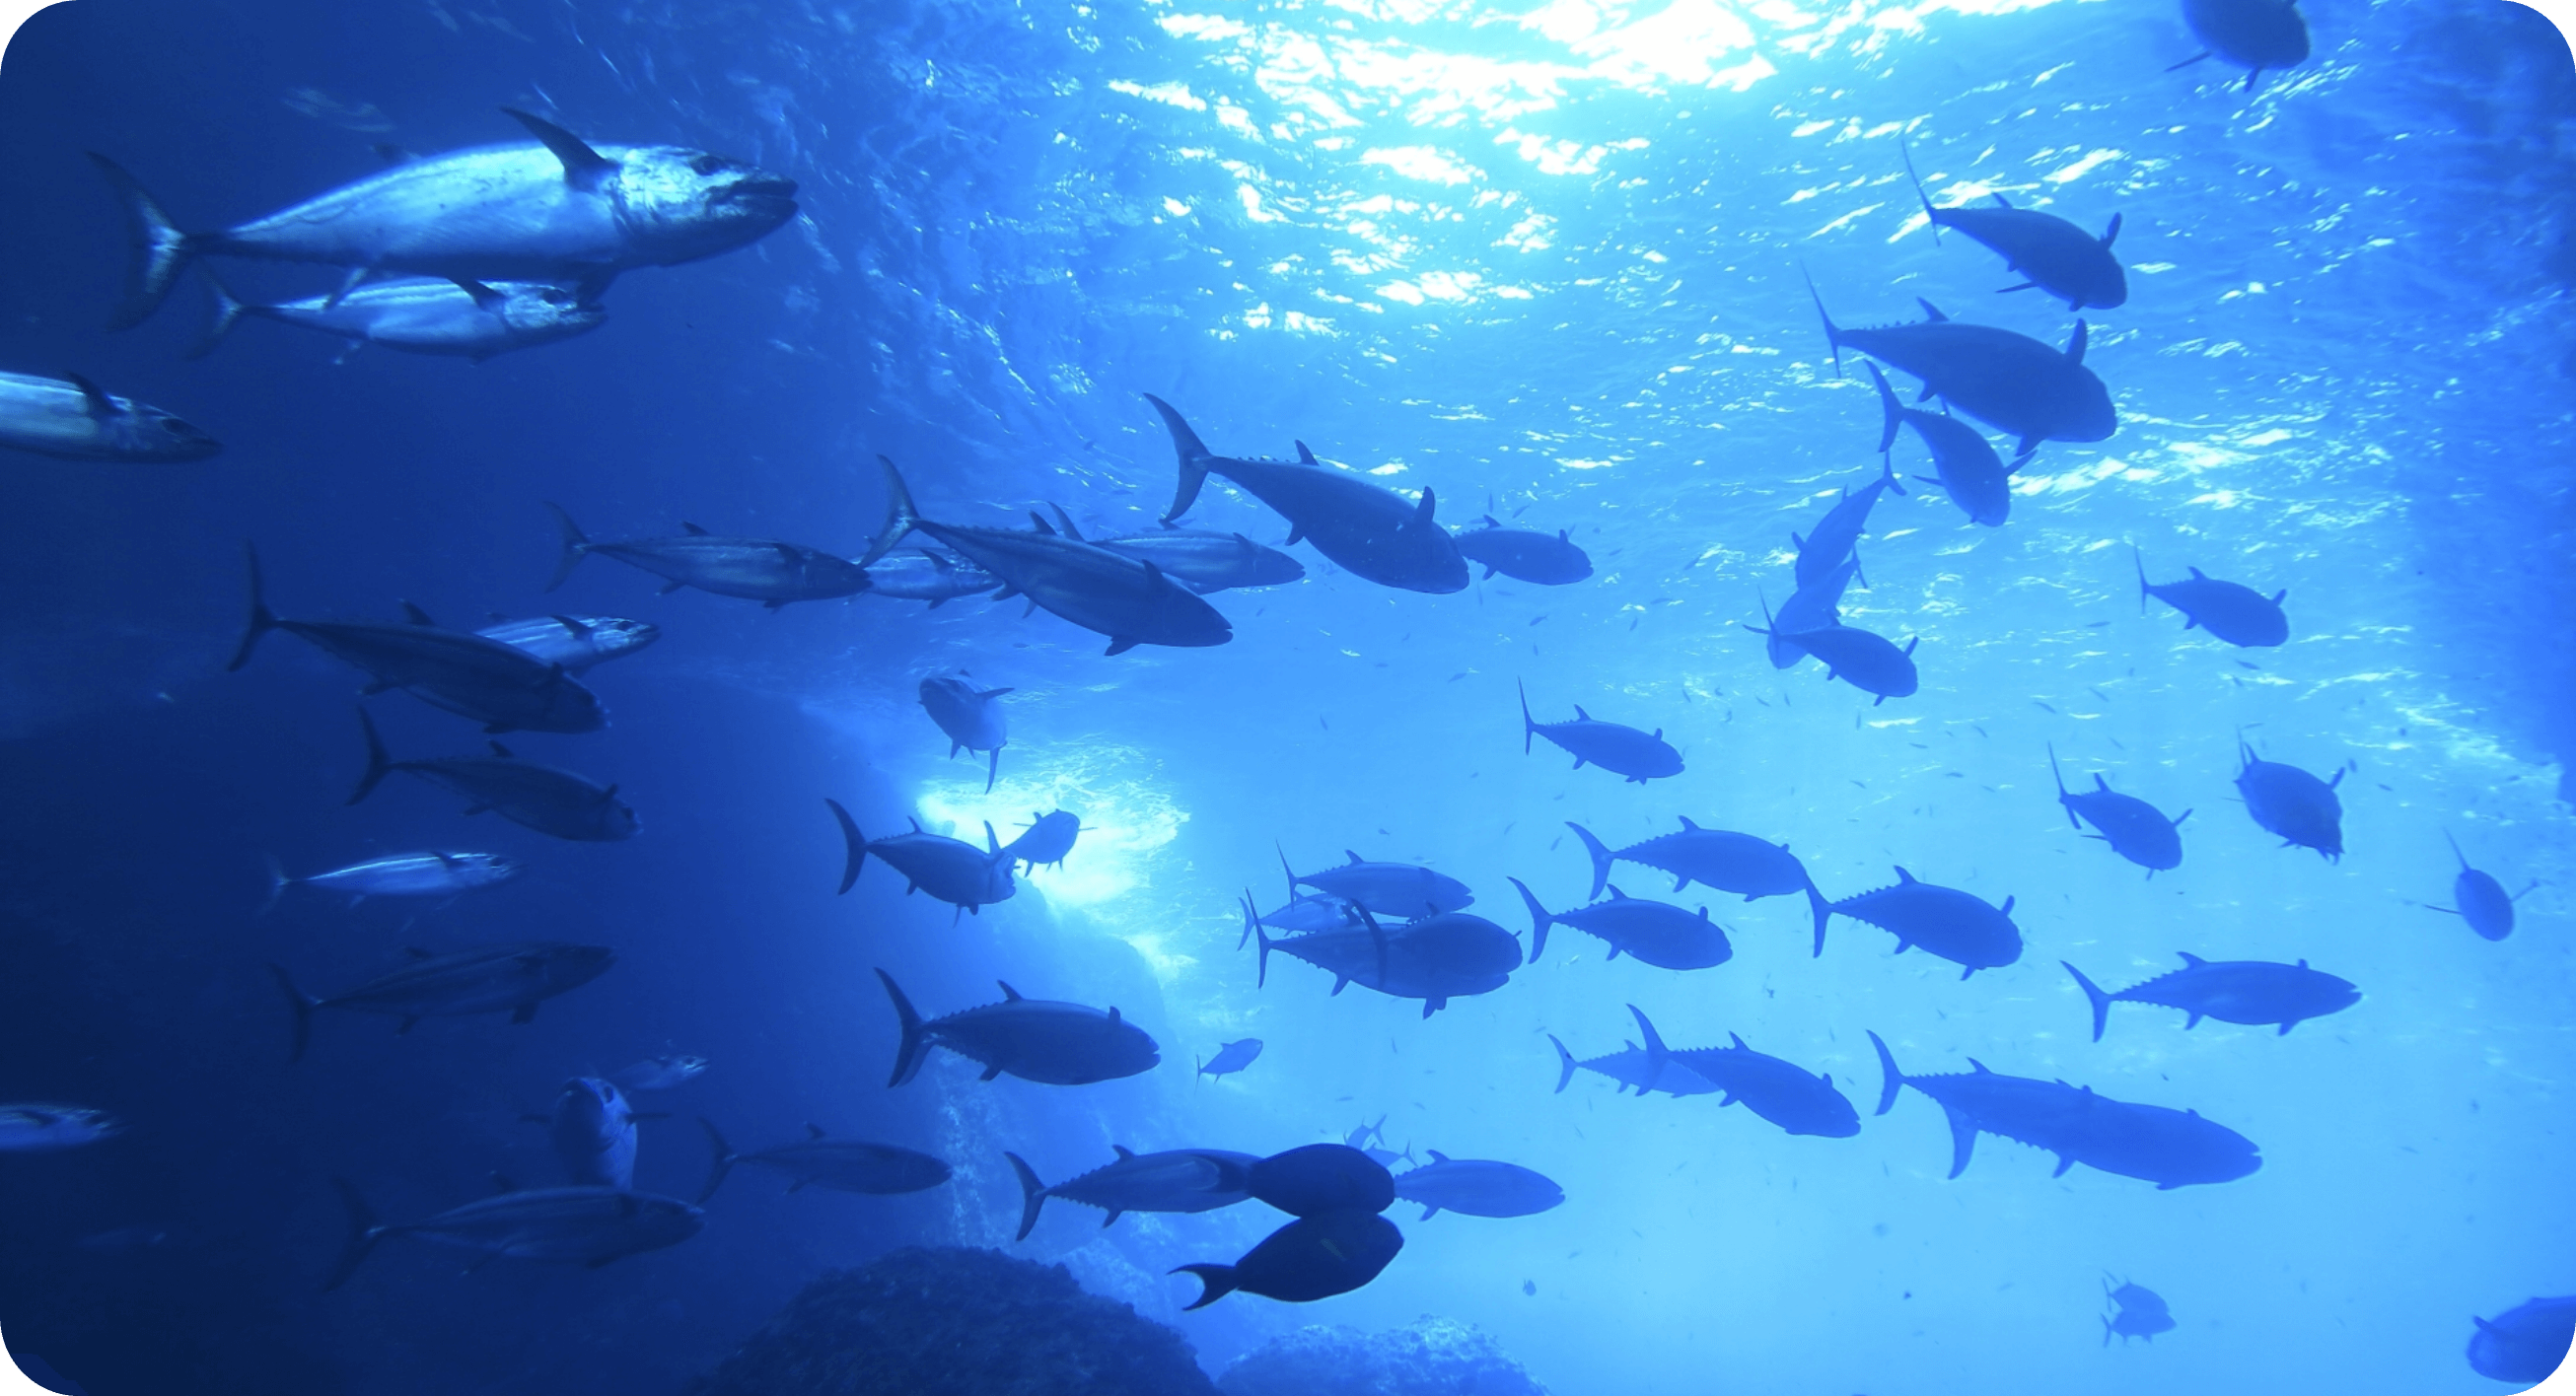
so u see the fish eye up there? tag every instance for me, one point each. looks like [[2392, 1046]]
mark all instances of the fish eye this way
[[707, 164]]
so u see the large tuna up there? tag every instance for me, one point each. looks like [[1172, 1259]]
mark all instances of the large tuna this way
[[1389, 889], [1952, 924], [586, 1226], [510, 979], [819, 1160], [2292, 804], [2009, 381], [2483, 902], [1656, 933], [1175, 1180], [765, 570], [2257, 993], [950, 870], [2054, 255], [1623, 751], [1477, 1187], [542, 798], [2136, 830], [1041, 1040], [971, 719], [1720, 858], [72, 418], [1782, 1092], [425, 315], [1200, 559], [2232, 611]]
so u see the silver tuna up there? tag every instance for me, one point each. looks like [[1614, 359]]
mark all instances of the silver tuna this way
[[586, 1226], [71, 418], [462, 318]]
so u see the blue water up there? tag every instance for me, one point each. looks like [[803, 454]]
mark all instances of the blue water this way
[[1542, 260]]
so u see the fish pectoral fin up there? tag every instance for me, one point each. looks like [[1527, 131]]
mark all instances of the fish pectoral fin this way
[[1120, 644], [990, 1072], [1963, 1140], [668, 587]]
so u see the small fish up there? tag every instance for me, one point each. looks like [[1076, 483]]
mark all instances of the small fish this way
[[2136, 830], [842, 1165], [2056, 256], [1232, 1057], [402, 875], [659, 1073], [1524, 554], [2235, 613], [72, 418], [970, 718], [1623, 751], [30, 1127], [462, 317], [1048, 839], [2483, 902]]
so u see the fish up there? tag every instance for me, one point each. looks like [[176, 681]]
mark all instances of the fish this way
[[2483, 902], [1719, 858], [1524, 554], [950, 870], [586, 1226], [1633, 1066], [765, 570], [1833, 540], [1390, 889], [540, 797], [1129, 601], [1786, 1094], [1048, 839], [1446, 955], [1655, 933], [1952, 924], [1175, 1180], [1232, 1057], [970, 718], [2255, 34], [1309, 912], [1964, 463], [2139, 1312], [1203, 560], [1477, 1188], [1361, 1137], [2169, 1148], [2526, 1343], [503, 687], [1369, 530], [2009, 381], [1635, 756], [918, 574], [556, 210], [2046, 1115], [2292, 804], [2136, 830], [512, 978], [2257, 993], [2056, 256], [592, 1130], [574, 642], [1041, 1040], [1864, 659], [659, 1073], [819, 1160], [1314, 1179], [33, 1127], [402, 875], [2231, 611], [1814, 607], [462, 317], [1310, 1258], [72, 418]]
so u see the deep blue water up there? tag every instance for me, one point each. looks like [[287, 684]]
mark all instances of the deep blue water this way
[[1543, 260]]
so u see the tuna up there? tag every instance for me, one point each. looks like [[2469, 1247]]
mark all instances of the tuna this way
[[1176, 1180], [1623, 751], [1041, 1040], [1815, 607], [1310, 1258], [556, 210], [1949, 923], [2011, 382], [586, 1226], [1048, 839], [970, 718], [30, 1127], [1232, 1057], [2169, 1148], [1202, 560], [2254, 34], [2286, 801], [1782, 1092], [1129, 601], [1313, 911], [660, 1073], [2136, 830], [2483, 902], [2257, 993], [540, 797], [72, 418], [461, 318], [1437, 958], [592, 1130], [1633, 1066], [2526, 1343], [1656, 933], [1719, 858], [1319, 1178], [574, 642], [1964, 465], [1370, 1139], [1477, 1188], [1832, 542], [755, 569], [2046, 1115], [818, 1160], [510, 979], [950, 870], [1389, 889], [918, 574], [2237, 614], [2054, 255], [402, 875], [1524, 554], [2139, 1312], [1864, 659], [1371, 531]]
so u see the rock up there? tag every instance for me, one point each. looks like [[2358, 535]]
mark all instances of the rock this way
[[949, 1321], [1433, 1357]]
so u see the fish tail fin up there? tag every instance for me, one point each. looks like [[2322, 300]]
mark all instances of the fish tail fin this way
[[1890, 409], [1833, 336], [2101, 1001], [2141, 559], [1926, 199], [1251, 919], [1823, 911], [1539, 920], [278, 882], [2060, 777], [2455, 849], [1032, 1194], [914, 1049], [1218, 1279], [575, 546], [159, 250], [1529, 727], [1193, 455], [853, 843], [1600, 858], [992, 770], [261, 621], [378, 764], [1887, 469], [364, 1232], [228, 312], [303, 1005], [1261, 934], [721, 1160], [1889, 1078], [1564, 1064], [900, 519], [1288, 872]]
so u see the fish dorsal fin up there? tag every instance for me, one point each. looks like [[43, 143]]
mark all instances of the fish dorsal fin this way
[[448, 860], [1153, 574], [93, 397], [2198, 576], [916, 822], [2111, 234], [692, 529], [2100, 785], [1688, 826], [2075, 342], [1580, 715], [2303, 964], [1738, 1039], [1306, 457], [504, 752], [1355, 857], [992, 845], [813, 1131], [1009, 994], [1040, 520], [416, 615], [1430, 501], [1904, 878], [1113, 1014], [1615, 893], [1931, 310], [1066, 520], [584, 168], [1492, 522], [570, 625], [1980, 1066], [1124, 1153], [2190, 960], [1437, 1156], [485, 297]]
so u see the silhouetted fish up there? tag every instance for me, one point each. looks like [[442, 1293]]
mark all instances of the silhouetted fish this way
[[1952, 924], [2237, 614], [1390, 889], [2058, 257], [1786, 1094], [1200, 559], [510, 979], [1310, 1258], [2527, 1342], [1317, 1178], [402, 875], [1633, 1066], [1621, 750], [575, 642], [2046, 1115], [1864, 659], [1042, 1040], [1524, 554], [72, 418], [1477, 1188], [1831, 542], [1175, 1180], [1232, 1057], [2483, 902], [34, 1127], [2136, 830], [2009, 381], [2253, 992], [1720, 858], [2293, 804], [1048, 839], [970, 718], [819, 1160], [1815, 607], [2140, 1313], [2257, 34], [918, 574], [2166, 1147], [587, 1226], [950, 870], [592, 1130], [542, 798], [755, 569], [1964, 465], [1436, 958], [1657, 933]]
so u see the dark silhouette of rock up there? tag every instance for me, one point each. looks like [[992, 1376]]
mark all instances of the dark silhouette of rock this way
[[1433, 1357]]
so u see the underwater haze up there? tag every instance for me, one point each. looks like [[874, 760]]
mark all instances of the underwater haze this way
[[1546, 262]]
